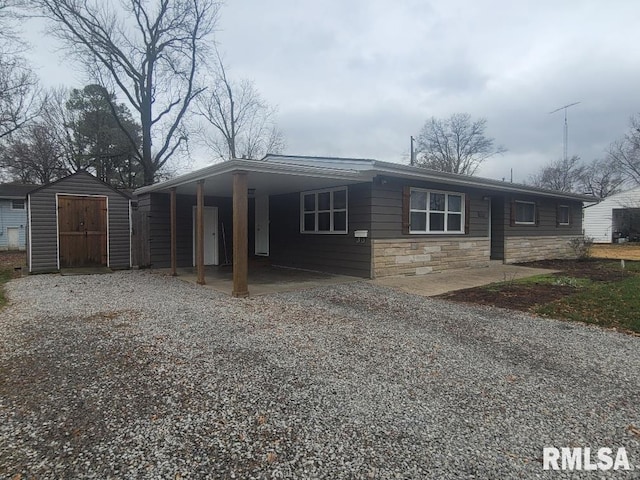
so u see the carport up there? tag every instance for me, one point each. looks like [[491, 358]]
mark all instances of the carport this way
[[228, 186]]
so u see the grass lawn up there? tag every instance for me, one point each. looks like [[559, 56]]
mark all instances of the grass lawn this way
[[593, 291], [611, 304]]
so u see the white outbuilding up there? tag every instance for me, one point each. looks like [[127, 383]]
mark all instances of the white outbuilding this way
[[615, 217]]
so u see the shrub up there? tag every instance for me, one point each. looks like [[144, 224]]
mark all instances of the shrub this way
[[581, 247]]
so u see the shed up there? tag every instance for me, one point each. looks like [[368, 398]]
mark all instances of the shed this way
[[78, 221], [617, 216]]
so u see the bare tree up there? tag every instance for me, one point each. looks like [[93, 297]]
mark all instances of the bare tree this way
[[18, 84], [625, 152], [601, 178], [561, 175], [456, 144], [243, 123], [150, 50], [33, 155]]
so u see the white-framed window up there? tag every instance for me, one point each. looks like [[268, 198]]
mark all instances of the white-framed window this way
[[17, 204], [433, 211], [324, 211], [563, 215], [525, 213]]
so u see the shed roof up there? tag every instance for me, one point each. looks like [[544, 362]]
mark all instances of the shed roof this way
[[80, 173]]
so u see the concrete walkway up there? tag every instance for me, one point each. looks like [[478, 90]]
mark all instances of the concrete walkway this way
[[262, 279], [438, 283]]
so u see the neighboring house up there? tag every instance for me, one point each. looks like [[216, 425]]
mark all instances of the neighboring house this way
[[78, 221], [617, 216], [352, 216], [13, 215]]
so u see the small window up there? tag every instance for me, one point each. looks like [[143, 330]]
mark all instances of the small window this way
[[17, 204], [324, 211], [436, 212], [563, 215], [525, 213]]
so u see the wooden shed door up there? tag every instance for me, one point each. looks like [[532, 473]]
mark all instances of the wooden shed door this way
[[82, 230]]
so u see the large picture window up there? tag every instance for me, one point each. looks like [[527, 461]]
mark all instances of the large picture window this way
[[436, 212], [525, 213], [324, 211]]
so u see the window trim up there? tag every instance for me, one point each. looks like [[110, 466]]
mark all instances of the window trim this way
[[24, 205], [462, 213], [515, 215], [568, 222], [331, 211]]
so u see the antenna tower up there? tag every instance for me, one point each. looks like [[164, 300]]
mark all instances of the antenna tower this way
[[566, 127]]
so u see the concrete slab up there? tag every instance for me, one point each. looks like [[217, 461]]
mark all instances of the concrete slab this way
[[263, 279], [442, 282]]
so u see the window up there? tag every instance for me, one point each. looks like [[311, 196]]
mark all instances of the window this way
[[436, 212], [324, 211], [563, 215], [17, 204], [525, 213]]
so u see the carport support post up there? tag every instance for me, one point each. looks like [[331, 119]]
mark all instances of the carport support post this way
[[173, 232], [200, 231], [240, 235]]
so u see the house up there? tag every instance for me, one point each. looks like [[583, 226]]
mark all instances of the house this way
[[78, 221], [358, 217], [616, 217], [13, 215]]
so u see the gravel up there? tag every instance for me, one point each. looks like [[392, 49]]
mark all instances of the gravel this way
[[138, 375]]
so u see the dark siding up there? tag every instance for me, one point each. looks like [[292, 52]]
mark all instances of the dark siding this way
[[44, 247], [497, 228], [157, 206], [329, 253], [547, 211], [386, 208]]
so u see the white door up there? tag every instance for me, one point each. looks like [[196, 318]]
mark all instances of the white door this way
[[262, 225], [13, 237], [210, 235]]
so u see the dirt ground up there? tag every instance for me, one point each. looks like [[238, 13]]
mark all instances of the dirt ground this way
[[626, 251], [13, 260], [526, 297]]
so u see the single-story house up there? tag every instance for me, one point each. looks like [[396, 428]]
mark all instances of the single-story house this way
[[78, 221], [616, 218], [13, 215], [349, 216]]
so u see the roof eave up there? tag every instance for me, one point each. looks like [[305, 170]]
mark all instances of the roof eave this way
[[469, 181], [257, 166]]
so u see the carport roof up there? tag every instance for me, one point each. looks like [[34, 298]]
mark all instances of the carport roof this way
[[276, 174]]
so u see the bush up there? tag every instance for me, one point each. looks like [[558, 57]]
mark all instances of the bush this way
[[581, 247]]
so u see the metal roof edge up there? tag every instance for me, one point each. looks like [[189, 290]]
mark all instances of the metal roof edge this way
[[257, 166], [478, 182]]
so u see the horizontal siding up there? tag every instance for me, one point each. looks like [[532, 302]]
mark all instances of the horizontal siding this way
[[547, 212], [598, 218], [337, 253], [157, 207], [10, 218], [386, 208], [44, 248]]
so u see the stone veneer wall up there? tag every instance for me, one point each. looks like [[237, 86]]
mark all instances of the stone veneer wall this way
[[418, 256], [528, 249]]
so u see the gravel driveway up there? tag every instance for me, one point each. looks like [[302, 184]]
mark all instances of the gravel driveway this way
[[141, 376]]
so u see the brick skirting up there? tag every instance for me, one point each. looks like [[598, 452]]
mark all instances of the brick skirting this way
[[420, 256], [528, 249]]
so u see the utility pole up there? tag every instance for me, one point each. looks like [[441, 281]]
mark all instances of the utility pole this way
[[413, 157], [566, 128]]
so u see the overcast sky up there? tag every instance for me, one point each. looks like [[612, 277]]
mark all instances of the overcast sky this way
[[359, 77]]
